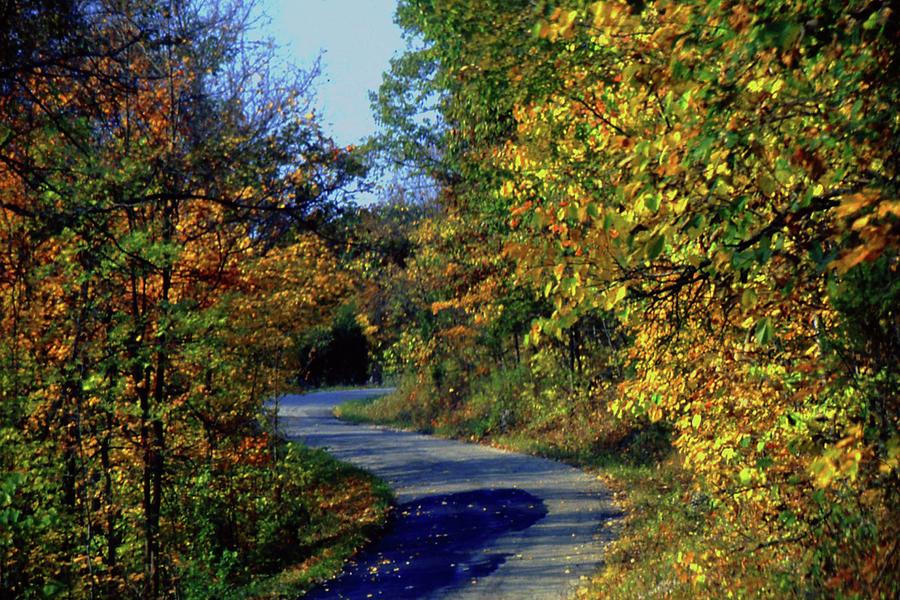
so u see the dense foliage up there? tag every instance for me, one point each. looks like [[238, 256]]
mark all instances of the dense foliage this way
[[159, 190], [659, 233], [688, 210]]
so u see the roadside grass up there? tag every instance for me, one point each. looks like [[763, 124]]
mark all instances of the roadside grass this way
[[346, 508], [389, 409], [663, 515]]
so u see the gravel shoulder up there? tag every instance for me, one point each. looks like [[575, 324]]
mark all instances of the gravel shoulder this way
[[536, 555]]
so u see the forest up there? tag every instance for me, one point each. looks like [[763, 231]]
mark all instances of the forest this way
[[657, 240]]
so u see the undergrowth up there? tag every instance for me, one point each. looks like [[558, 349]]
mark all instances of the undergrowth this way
[[311, 515]]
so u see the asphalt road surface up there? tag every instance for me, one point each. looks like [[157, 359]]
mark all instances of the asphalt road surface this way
[[471, 521]]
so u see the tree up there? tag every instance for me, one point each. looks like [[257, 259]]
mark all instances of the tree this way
[[714, 185], [158, 190], [710, 173]]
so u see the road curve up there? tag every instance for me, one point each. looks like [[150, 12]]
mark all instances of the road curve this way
[[475, 521]]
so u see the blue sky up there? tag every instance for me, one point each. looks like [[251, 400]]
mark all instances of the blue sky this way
[[357, 39]]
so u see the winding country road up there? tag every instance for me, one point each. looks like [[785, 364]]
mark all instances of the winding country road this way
[[472, 521]]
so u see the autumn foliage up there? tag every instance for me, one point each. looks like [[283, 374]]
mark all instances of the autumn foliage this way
[[159, 190], [692, 209]]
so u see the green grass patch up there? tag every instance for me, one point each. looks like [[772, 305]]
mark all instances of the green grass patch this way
[[385, 410]]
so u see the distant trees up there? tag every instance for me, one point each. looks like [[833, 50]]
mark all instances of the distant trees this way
[[335, 353]]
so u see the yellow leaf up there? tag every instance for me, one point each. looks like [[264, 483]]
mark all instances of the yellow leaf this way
[[558, 271], [615, 295]]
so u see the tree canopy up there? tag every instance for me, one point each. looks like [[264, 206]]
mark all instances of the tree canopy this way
[[693, 207], [160, 187]]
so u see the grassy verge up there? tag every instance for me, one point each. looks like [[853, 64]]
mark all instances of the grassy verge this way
[[344, 508], [663, 516]]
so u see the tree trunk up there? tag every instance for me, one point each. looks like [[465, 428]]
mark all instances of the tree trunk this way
[[156, 457], [516, 344], [112, 513]]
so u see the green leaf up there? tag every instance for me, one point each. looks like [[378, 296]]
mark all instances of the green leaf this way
[[615, 295], [872, 21], [763, 332], [695, 422], [607, 222], [655, 247], [52, 588]]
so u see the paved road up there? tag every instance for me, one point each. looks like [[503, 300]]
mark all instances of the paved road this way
[[472, 521]]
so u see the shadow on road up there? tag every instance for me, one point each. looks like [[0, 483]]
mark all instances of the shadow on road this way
[[436, 542]]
